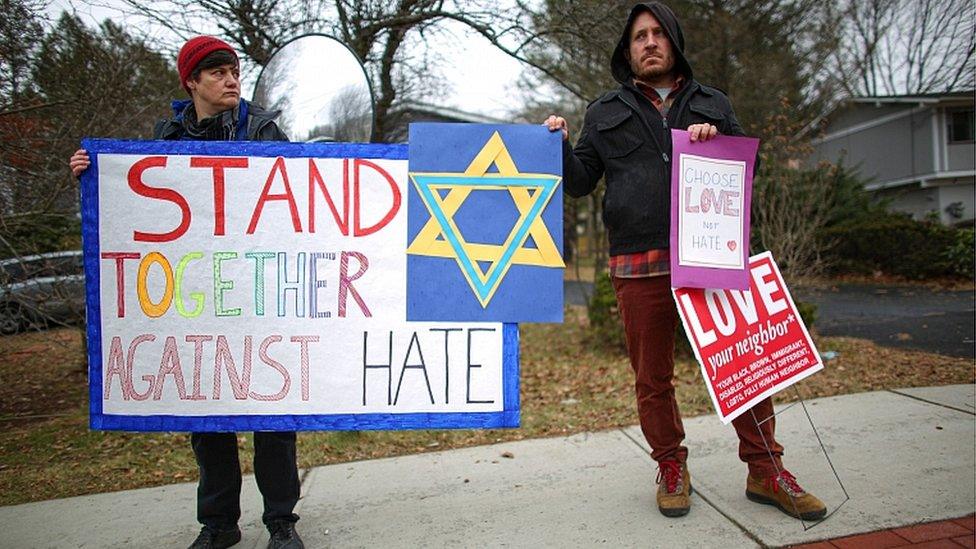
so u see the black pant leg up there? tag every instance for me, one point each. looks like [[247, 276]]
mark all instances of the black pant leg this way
[[219, 491], [276, 470]]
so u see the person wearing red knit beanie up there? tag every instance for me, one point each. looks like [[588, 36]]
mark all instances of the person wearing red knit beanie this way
[[209, 71], [196, 50]]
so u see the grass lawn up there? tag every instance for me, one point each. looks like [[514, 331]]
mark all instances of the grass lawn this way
[[569, 384]]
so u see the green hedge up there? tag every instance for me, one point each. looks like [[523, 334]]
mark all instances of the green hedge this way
[[607, 330], [605, 326], [36, 234], [898, 245]]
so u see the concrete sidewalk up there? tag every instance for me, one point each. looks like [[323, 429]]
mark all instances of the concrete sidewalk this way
[[904, 457]]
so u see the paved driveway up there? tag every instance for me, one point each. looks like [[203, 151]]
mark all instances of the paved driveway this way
[[910, 317]]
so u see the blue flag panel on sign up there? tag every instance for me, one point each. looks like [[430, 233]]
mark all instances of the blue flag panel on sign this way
[[484, 223]]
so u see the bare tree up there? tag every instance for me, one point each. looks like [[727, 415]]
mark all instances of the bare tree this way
[[758, 52], [273, 90], [389, 37], [81, 83], [790, 207], [65, 84], [379, 33], [900, 47], [350, 115]]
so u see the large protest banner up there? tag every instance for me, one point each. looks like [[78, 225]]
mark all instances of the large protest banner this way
[[750, 344], [711, 194], [261, 286]]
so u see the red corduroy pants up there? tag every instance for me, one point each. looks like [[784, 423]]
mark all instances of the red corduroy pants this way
[[649, 317]]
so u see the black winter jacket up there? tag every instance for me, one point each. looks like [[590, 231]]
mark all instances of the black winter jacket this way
[[260, 124], [625, 139]]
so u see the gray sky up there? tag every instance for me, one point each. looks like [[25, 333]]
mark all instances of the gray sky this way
[[479, 78]]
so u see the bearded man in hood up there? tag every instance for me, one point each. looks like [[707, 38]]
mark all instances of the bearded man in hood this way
[[626, 138], [210, 74]]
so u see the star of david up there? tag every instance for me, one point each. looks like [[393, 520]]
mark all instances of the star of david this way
[[440, 236]]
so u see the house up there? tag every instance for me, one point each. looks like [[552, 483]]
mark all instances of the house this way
[[916, 151], [416, 111]]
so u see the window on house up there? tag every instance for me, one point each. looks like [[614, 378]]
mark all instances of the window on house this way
[[961, 126]]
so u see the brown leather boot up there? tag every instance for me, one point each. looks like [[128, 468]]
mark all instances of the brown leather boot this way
[[783, 492], [673, 488]]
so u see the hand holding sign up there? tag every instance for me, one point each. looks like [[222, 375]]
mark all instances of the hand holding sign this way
[[711, 188]]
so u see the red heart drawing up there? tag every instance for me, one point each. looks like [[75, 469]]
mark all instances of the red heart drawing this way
[[731, 245]]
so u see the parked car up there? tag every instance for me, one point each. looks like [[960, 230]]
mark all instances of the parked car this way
[[40, 290]]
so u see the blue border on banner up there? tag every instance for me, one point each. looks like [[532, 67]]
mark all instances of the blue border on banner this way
[[89, 243], [508, 417], [332, 422], [246, 148]]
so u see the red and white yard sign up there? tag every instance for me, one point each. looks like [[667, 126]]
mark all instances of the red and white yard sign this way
[[750, 343]]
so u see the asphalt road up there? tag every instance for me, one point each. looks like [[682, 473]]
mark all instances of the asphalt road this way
[[908, 317], [937, 321]]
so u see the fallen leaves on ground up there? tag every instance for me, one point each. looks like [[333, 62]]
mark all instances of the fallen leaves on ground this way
[[569, 384]]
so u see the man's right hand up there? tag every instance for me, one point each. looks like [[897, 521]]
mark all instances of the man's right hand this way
[[79, 162], [557, 123]]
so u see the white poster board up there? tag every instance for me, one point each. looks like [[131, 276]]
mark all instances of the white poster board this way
[[241, 286]]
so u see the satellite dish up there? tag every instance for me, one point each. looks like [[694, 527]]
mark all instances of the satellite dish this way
[[321, 89]]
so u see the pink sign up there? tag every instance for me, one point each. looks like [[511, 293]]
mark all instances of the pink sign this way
[[750, 344], [711, 193]]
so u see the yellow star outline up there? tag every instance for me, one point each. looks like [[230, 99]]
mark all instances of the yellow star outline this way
[[440, 236]]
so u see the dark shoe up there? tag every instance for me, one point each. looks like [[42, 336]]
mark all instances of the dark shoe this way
[[783, 492], [216, 539], [284, 536], [673, 488]]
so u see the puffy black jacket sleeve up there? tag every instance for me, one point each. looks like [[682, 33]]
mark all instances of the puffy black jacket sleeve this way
[[736, 129], [270, 132], [731, 124], [165, 129], [582, 165]]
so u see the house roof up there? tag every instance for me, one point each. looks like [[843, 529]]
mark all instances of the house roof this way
[[924, 98], [908, 99], [419, 107]]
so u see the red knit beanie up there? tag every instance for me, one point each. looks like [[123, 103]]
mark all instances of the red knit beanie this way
[[194, 51]]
